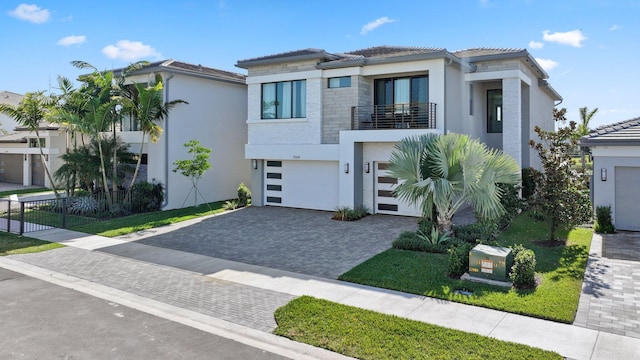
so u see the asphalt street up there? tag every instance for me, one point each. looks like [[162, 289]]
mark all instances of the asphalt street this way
[[40, 320]]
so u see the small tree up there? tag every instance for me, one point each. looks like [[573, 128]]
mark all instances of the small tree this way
[[561, 193], [194, 168]]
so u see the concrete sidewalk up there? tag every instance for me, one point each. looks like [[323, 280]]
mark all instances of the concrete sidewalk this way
[[172, 281]]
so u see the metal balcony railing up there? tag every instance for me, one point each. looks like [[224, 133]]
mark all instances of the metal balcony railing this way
[[394, 116]]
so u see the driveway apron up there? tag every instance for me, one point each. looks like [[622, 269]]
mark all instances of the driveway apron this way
[[302, 241], [610, 299]]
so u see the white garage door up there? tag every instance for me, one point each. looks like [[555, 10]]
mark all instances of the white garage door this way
[[301, 184], [627, 211], [386, 202]]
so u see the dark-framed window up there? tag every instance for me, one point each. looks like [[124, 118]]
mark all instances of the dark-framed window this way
[[33, 142], [339, 82], [494, 111], [284, 100], [402, 90]]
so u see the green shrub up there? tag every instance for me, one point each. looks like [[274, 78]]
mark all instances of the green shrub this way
[[146, 197], [244, 195], [231, 204], [433, 237], [512, 203], [529, 175], [345, 213], [409, 240], [603, 223], [458, 259], [480, 232], [524, 269], [425, 224]]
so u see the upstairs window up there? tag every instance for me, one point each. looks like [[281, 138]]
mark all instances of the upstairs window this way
[[33, 142], [401, 90], [339, 82], [284, 100]]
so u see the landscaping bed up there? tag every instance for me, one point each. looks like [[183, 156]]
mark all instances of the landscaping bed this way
[[560, 270]]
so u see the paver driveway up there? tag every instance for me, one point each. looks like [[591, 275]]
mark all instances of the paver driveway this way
[[303, 241]]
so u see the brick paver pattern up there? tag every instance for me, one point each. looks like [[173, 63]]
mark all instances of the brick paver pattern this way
[[610, 299], [236, 303]]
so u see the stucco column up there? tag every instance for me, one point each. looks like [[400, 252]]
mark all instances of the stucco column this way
[[512, 118], [26, 169]]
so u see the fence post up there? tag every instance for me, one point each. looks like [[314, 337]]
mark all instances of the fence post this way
[[9, 217], [64, 212], [21, 218]]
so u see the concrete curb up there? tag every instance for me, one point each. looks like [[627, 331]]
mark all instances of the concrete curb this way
[[242, 334]]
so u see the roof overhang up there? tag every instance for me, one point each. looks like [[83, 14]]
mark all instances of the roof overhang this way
[[442, 54], [320, 55]]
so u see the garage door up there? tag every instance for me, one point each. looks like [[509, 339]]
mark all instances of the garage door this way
[[301, 184], [627, 211], [386, 202], [11, 166]]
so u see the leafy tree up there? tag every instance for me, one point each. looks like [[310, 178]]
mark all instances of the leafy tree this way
[[561, 193], [31, 112], [145, 104], [195, 167], [447, 171]]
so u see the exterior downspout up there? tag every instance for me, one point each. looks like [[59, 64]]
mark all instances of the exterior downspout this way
[[166, 144], [447, 62]]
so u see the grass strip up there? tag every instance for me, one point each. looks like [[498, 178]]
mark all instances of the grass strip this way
[[366, 334], [126, 225], [11, 244]]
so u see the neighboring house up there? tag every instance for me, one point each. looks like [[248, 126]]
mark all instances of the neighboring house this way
[[216, 116], [616, 171], [321, 126], [20, 160], [7, 123]]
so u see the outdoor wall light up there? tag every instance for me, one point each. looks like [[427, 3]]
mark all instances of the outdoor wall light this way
[[346, 168], [366, 167], [25, 157], [603, 174], [254, 164]]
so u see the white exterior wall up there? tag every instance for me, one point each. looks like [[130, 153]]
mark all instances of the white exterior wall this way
[[55, 146], [286, 131], [608, 157], [215, 116]]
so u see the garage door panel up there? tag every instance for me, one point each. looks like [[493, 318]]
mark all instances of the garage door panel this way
[[302, 184], [386, 202], [627, 198], [11, 168]]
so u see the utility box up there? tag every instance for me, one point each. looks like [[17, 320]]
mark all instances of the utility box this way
[[490, 262]]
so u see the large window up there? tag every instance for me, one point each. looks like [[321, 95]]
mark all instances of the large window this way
[[33, 143], [401, 90], [284, 100], [338, 82], [494, 111]]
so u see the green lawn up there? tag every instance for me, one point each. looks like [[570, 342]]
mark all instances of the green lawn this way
[[365, 334], [561, 270], [14, 244], [138, 222], [23, 191]]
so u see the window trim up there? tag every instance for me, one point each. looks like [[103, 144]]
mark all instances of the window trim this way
[[276, 101], [339, 80], [490, 129]]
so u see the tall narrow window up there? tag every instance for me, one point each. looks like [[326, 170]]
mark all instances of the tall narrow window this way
[[284, 100], [494, 111]]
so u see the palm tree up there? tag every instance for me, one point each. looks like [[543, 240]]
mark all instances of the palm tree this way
[[31, 112], [145, 104], [585, 117], [447, 171]]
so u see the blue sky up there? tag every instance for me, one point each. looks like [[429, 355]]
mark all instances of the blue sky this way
[[589, 48]]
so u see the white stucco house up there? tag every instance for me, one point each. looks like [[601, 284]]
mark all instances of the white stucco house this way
[[10, 98], [321, 126], [20, 160], [615, 150], [215, 115]]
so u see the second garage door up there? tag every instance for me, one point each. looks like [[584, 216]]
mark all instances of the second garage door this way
[[627, 198]]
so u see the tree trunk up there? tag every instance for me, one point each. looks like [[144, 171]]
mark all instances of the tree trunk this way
[[46, 167], [135, 173]]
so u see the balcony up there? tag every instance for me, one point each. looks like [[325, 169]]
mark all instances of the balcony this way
[[395, 116]]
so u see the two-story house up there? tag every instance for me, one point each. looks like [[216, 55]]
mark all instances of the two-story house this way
[[321, 126]]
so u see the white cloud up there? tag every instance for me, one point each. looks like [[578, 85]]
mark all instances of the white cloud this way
[[376, 23], [573, 38], [130, 50], [31, 13], [72, 40], [547, 64], [535, 44], [615, 27]]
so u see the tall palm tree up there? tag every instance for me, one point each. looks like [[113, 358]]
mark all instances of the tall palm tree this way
[[145, 104], [585, 117], [447, 171], [31, 112]]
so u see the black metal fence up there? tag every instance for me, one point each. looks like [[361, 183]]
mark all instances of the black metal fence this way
[[35, 214]]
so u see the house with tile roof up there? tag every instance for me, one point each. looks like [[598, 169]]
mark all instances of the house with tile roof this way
[[215, 115], [321, 126], [615, 150]]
